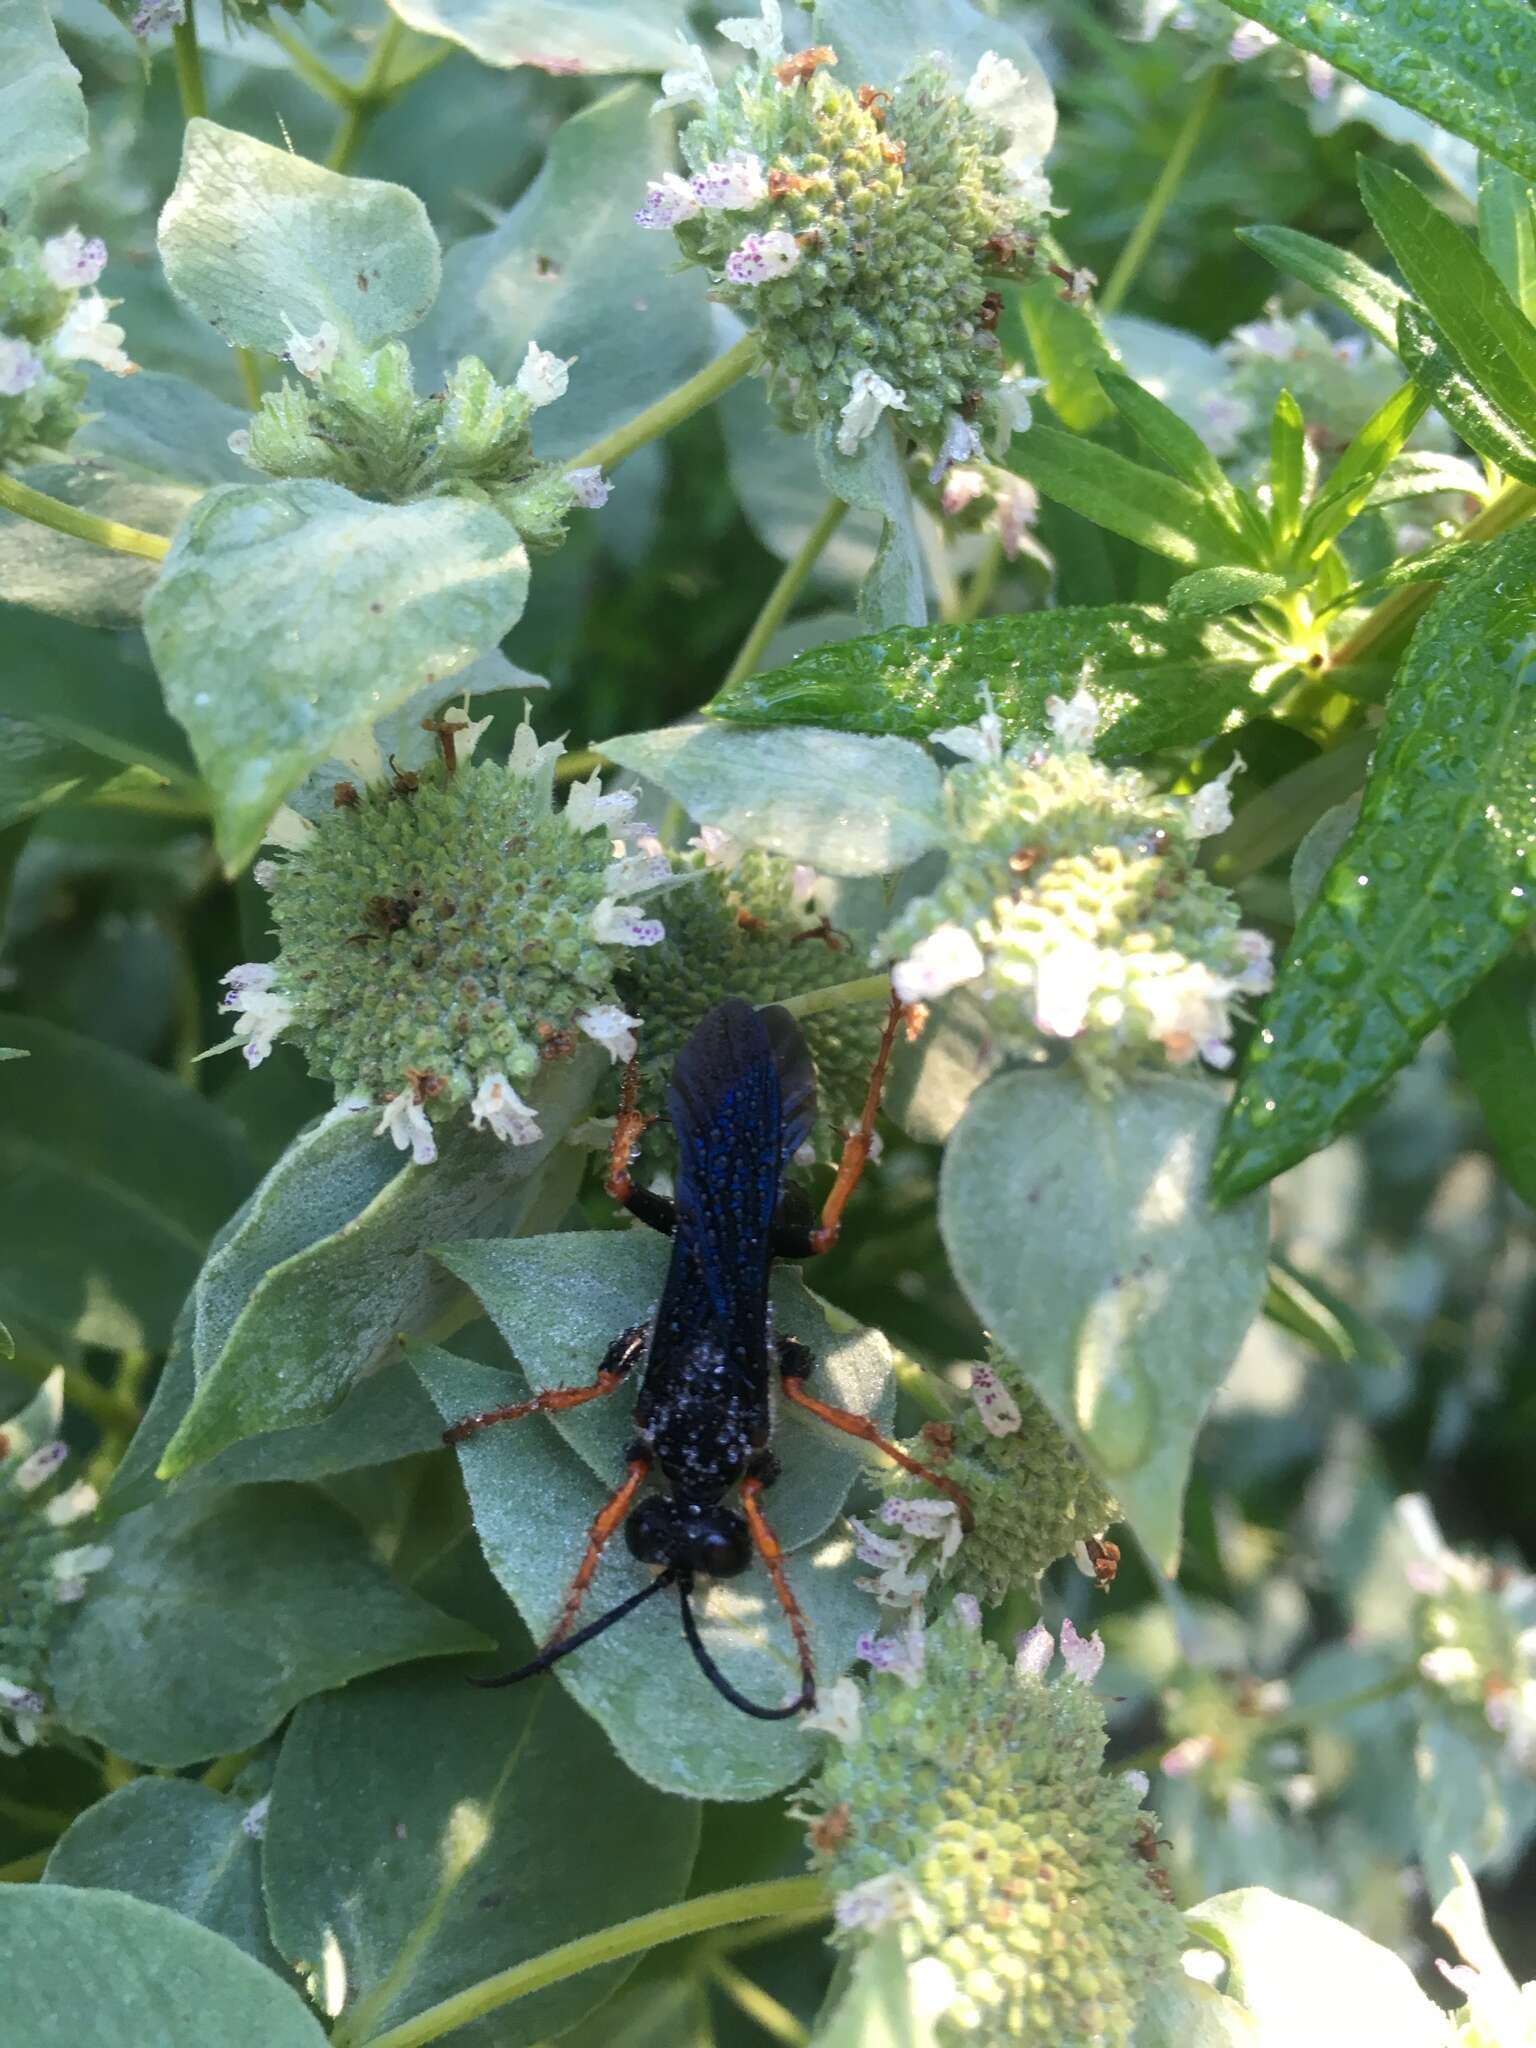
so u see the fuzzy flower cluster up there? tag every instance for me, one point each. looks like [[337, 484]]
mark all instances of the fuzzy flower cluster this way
[[1032, 1500], [1475, 1628], [1219, 1727], [1073, 908], [969, 1809], [443, 935], [43, 1564], [356, 420], [52, 322], [152, 17], [745, 926], [858, 231], [1224, 35]]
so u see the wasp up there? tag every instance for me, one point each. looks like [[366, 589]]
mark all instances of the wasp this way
[[742, 1101]]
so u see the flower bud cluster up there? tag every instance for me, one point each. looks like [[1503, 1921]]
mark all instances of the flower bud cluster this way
[[52, 322], [1032, 1499], [1073, 908], [857, 228], [970, 1810], [43, 1564], [356, 420], [443, 934], [1211, 30], [1338, 381], [1474, 1626], [743, 925]]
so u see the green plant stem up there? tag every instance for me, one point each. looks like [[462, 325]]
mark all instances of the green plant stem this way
[[760, 2006], [1301, 1718], [668, 412], [777, 605], [189, 66], [25, 1869], [42, 510], [104, 1407], [777, 1896], [373, 93], [314, 71], [1128, 263], [815, 1000], [1282, 814], [224, 1770], [923, 1387], [579, 763]]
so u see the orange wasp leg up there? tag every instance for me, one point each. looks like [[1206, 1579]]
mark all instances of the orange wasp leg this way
[[618, 1361], [767, 1546], [861, 1427], [856, 1146]]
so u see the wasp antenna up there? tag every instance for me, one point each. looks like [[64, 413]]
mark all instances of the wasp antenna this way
[[717, 1677], [564, 1647]]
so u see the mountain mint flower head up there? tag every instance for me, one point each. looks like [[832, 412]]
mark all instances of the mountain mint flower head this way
[[1475, 1627], [356, 420], [743, 925], [52, 321], [1224, 35], [1073, 909], [858, 225], [44, 1564], [443, 934], [1032, 1498], [973, 1814]]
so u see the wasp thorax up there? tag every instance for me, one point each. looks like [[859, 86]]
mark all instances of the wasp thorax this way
[[971, 1811]]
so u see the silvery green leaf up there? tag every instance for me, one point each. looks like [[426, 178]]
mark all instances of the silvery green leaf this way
[[75, 579], [1180, 2012], [1305, 1976], [560, 1301], [97, 1969], [175, 1844], [568, 36], [287, 615], [935, 1076], [568, 268], [1470, 1800], [1079, 1229], [874, 479], [882, 2004], [42, 112], [328, 1312], [848, 804], [533, 1501], [160, 427], [261, 243]]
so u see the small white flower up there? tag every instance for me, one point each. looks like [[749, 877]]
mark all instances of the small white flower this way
[[498, 1107], [1015, 402], [624, 924], [966, 1609], [239, 442], [70, 1567], [1066, 979], [1320, 76], [544, 376], [1034, 1651], [1074, 721], [762, 257], [1274, 337], [935, 1521], [719, 849], [257, 975], [1027, 182], [961, 443], [668, 200], [1450, 1664], [1250, 39], [879, 1902], [1187, 1757], [263, 1013], [155, 14], [254, 1823], [802, 884], [85, 334], [265, 873], [837, 1712], [406, 1122], [870, 1547], [765, 36], [900, 1656], [592, 488], [70, 260], [635, 872], [39, 1466], [1258, 976], [689, 81], [19, 367], [311, 354], [869, 396], [1082, 1658], [734, 185], [1018, 507], [1138, 1781], [982, 741], [1210, 808], [995, 1406], [528, 759], [286, 828], [938, 963], [72, 1505], [962, 487], [994, 86], [1079, 287], [20, 1699], [587, 809], [613, 1031]]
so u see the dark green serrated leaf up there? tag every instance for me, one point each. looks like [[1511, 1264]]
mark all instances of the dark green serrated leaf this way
[[1430, 888], [176, 1844], [1494, 1032], [1451, 391], [1206, 593], [1143, 505], [1353, 286], [1506, 230], [1468, 67], [216, 1616], [96, 1969], [1493, 340], [1158, 681]]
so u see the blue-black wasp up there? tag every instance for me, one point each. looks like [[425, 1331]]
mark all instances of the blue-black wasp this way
[[742, 1101]]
